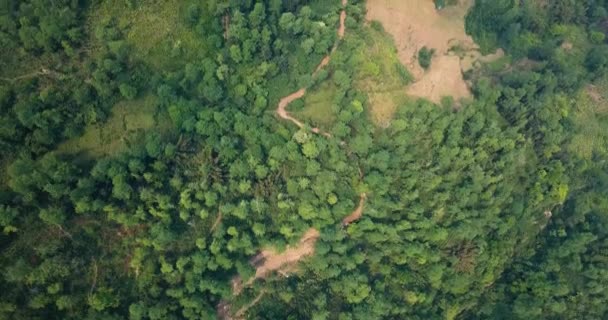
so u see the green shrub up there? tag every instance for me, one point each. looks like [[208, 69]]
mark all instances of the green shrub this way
[[424, 57], [404, 74]]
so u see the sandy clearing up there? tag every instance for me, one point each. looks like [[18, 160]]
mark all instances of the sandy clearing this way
[[276, 261], [444, 78], [415, 24]]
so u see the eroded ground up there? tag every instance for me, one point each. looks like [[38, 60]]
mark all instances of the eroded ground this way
[[415, 24]]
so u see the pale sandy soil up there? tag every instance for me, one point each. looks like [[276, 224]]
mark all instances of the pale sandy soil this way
[[415, 24], [274, 261], [444, 78], [342, 27]]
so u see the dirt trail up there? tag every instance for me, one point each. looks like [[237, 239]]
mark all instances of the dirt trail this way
[[355, 215], [277, 261], [241, 312], [342, 28], [285, 101], [217, 221], [270, 260], [41, 72]]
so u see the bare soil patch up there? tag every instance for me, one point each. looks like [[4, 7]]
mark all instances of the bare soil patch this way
[[275, 261], [444, 78], [342, 27], [417, 23]]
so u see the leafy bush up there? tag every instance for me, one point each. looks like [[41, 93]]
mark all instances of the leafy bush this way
[[424, 57]]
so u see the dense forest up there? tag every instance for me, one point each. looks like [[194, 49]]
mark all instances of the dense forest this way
[[145, 167]]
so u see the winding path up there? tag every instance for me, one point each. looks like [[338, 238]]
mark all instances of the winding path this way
[[287, 100], [273, 261]]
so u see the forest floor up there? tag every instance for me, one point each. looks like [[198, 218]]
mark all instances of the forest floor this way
[[417, 23]]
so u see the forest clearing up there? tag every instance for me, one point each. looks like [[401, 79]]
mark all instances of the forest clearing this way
[[286, 260], [415, 24]]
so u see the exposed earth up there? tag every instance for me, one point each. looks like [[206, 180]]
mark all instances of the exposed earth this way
[[415, 24]]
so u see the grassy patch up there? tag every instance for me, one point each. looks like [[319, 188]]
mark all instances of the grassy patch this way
[[379, 72], [156, 30], [318, 105], [113, 136], [591, 120], [378, 66]]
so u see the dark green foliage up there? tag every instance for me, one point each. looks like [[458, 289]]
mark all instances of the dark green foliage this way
[[485, 212], [424, 57], [440, 4]]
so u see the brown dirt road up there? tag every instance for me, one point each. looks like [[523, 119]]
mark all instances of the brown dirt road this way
[[285, 101]]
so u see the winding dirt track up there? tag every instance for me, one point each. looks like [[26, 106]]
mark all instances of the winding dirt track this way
[[284, 262], [273, 261], [285, 101]]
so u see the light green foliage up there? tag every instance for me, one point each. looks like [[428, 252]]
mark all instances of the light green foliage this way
[[157, 31], [126, 120]]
